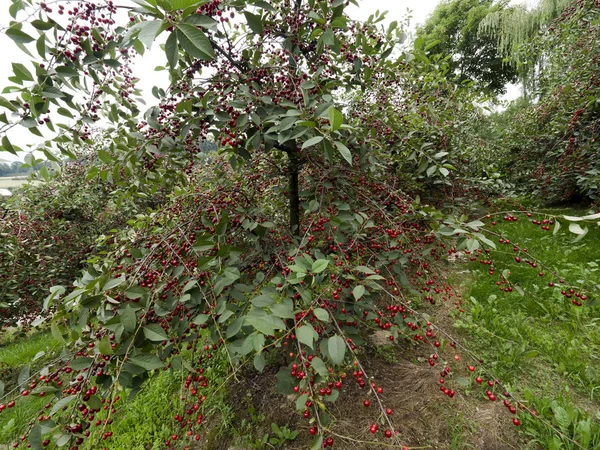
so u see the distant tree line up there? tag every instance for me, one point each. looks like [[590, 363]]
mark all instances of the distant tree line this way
[[17, 168], [13, 168]]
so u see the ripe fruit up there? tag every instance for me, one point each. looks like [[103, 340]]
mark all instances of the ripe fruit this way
[[516, 421]]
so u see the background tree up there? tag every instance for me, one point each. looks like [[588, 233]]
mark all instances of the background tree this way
[[516, 31], [453, 29]]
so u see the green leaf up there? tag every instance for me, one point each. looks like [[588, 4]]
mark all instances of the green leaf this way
[[319, 366], [194, 42], [148, 362], [284, 311], [52, 92], [321, 314], [234, 327], [21, 72], [358, 291], [104, 157], [23, 377], [94, 402], [317, 443], [104, 347], [337, 349], [312, 141], [200, 319], [254, 22], [135, 292], [7, 146], [319, 266], [148, 31], [485, 240], [155, 332], [128, 319], [562, 417], [35, 437], [81, 363], [62, 403], [301, 402], [264, 5], [307, 335], [114, 282], [42, 25], [262, 300], [285, 382], [335, 118], [172, 50], [66, 71], [40, 46], [200, 20], [173, 5], [259, 362], [265, 324], [344, 151], [18, 36]]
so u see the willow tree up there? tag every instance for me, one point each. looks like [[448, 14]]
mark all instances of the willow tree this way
[[515, 29]]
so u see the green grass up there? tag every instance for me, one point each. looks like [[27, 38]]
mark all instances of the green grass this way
[[143, 422], [537, 342], [146, 422], [13, 356], [26, 348]]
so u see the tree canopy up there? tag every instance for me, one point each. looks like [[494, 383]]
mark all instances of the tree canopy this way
[[453, 29]]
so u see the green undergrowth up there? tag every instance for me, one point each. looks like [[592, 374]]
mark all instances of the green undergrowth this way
[[534, 339], [25, 348], [17, 351], [141, 422]]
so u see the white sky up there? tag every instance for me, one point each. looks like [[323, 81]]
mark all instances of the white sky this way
[[144, 67]]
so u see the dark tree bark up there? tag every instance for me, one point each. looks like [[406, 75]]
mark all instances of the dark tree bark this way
[[294, 196]]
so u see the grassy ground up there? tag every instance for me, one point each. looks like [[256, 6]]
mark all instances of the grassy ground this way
[[142, 422], [533, 338], [14, 354]]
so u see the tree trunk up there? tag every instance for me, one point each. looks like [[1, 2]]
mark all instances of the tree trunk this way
[[294, 196]]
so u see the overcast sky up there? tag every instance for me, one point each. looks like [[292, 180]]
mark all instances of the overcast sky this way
[[144, 67]]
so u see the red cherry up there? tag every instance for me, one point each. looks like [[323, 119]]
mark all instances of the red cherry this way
[[516, 421], [388, 433], [366, 403]]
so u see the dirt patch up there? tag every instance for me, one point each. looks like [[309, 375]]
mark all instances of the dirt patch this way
[[422, 415]]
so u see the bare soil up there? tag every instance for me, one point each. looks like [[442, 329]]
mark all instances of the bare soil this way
[[423, 416]]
